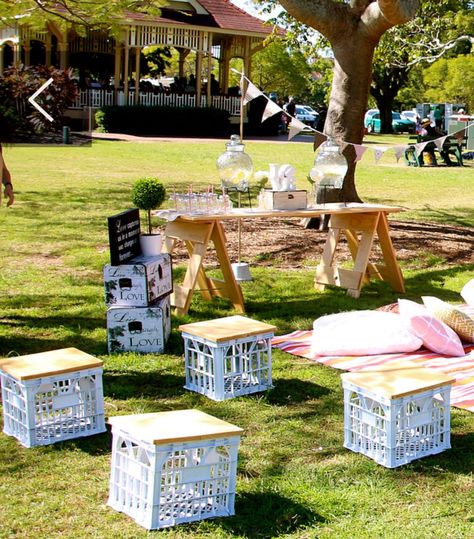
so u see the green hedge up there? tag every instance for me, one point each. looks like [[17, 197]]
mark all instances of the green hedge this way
[[164, 121]]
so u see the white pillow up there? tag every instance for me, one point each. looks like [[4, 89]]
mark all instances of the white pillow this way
[[467, 293], [360, 333]]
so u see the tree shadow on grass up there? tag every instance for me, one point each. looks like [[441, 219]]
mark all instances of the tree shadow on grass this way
[[125, 385], [265, 515], [292, 391]]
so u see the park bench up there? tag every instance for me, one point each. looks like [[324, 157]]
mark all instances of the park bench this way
[[452, 146]]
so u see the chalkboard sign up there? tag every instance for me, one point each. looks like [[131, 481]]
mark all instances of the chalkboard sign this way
[[124, 233]]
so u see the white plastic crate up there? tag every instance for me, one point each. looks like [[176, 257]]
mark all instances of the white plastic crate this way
[[228, 357], [52, 396], [396, 429], [170, 468]]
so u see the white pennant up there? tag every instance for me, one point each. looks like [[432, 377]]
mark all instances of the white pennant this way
[[399, 151], [378, 152], [440, 142], [251, 93], [295, 127], [359, 150], [420, 147], [270, 110]]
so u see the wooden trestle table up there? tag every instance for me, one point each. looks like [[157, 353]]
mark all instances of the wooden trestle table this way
[[360, 223]]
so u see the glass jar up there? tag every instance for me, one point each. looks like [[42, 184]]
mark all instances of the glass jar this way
[[235, 166], [330, 166]]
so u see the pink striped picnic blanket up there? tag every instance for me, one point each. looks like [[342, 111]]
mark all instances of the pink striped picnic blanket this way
[[461, 369]]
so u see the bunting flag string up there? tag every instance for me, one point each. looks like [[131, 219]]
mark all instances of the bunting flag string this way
[[296, 126]]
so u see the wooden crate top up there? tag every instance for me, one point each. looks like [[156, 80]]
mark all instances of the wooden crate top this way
[[398, 382], [225, 329], [48, 363], [176, 426]]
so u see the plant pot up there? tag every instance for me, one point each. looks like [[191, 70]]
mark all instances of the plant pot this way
[[150, 244]]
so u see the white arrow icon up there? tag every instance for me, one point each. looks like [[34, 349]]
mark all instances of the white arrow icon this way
[[36, 94]]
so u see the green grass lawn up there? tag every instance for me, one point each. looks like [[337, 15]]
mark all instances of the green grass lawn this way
[[295, 480]]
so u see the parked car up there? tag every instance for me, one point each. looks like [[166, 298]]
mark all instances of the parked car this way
[[368, 116], [399, 124], [409, 115], [310, 109], [305, 116]]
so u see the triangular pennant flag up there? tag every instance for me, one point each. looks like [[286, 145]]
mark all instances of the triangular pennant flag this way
[[440, 142], [295, 127], [319, 138], [251, 93], [378, 152], [459, 135], [420, 147], [399, 151], [270, 110], [359, 151]]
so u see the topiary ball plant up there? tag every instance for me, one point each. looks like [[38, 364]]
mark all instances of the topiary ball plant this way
[[148, 194]]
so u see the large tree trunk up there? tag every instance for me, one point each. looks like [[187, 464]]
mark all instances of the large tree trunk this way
[[348, 100], [354, 30]]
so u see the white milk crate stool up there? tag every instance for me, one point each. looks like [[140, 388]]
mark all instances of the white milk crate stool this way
[[52, 396], [228, 357], [397, 416], [174, 467]]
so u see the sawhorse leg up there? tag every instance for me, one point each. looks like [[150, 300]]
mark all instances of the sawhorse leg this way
[[196, 236], [368, 225]]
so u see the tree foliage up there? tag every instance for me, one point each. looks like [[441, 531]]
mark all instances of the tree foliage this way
[[278, 68], [81, 13], [440, 28], [451, 80]]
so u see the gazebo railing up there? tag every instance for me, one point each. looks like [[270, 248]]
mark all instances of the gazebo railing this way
[[97, 98]]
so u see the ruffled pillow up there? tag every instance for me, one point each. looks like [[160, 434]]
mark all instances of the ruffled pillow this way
[[467, 293], [460, 322], [360, 333]]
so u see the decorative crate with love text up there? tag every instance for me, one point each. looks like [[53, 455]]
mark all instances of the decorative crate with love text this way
[[140, 282], [139, 329]]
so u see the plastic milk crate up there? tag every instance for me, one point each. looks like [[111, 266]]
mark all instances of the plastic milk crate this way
[[174, 467], [52, 396], [228, 357], [397, 416]]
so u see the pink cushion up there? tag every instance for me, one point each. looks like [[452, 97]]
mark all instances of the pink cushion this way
[[436, 335]]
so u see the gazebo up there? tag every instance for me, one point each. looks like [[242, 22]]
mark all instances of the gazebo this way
[[216, 30]]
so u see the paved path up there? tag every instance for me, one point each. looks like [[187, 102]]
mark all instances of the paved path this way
[[282, 139]]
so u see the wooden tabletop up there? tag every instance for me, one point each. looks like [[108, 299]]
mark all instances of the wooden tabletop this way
[[48, 363], [225, 329], [180, 425], [399, 382], [311, 211]]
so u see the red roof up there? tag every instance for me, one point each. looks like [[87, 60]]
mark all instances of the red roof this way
[[222, 14], [231, 17]]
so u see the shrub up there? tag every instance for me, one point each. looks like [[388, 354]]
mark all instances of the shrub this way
[[17, 84], [164, 121], [148, 194]]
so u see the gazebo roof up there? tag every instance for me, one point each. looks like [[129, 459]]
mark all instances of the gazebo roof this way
[[218, 14]]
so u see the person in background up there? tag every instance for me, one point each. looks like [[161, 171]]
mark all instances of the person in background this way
[[290, 107], [7, 185], [438, 117], [430, 132], [462, 116]]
